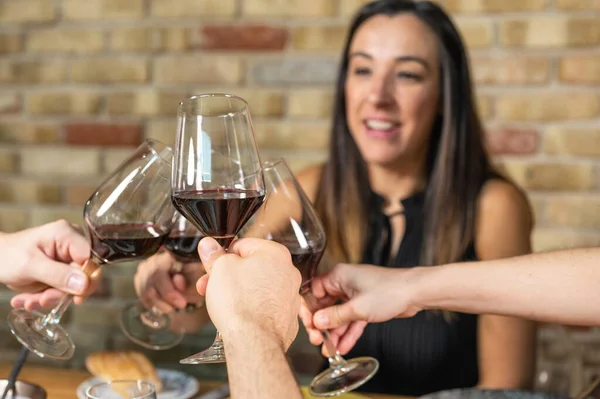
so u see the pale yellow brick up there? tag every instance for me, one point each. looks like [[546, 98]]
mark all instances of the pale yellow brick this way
[[109, 70], [134, 39], [28, 133], [43, 215], [69, 41], [198, 69], [548, 106], [350, 7], [295, 161], [310, 103], [550, 31], [289, 8], [63, 103], [163, 130], [590, 5], [29, 192], [10, 43], [262, 102], [574, 211], [113, 159], [504, 69], [552, 176], [584, 68], [19, 11], [297, 136], [145, 103], [193, 8], [60, 161], [556, 239], [13, 219], [319, 38], [10, 103], [9, 161], [493, 6], [176, 38], [28, 71], [485, 106], [476, 33], [573, 141], [103, 9]]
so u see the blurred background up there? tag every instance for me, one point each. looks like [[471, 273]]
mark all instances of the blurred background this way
[[83, 82]]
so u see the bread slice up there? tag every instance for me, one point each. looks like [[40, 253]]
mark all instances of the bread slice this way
[[122, 365]]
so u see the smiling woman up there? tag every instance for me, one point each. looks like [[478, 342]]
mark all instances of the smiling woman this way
[[408, 182]]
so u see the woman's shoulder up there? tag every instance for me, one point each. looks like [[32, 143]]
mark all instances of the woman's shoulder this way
[[504, 221], [309, 179], [500, 196]]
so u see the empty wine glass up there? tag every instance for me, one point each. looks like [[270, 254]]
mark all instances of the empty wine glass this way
[[217, 181], [152, 328], [288, 217], [126, 218], [122, 389]]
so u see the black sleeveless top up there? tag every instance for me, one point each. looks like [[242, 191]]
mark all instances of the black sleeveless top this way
[[425, 353]]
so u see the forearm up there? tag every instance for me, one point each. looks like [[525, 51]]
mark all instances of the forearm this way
[[559, 287], [257, 366]]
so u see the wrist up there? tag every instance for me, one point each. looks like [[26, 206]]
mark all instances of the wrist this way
[[240, 330], [427, 287]]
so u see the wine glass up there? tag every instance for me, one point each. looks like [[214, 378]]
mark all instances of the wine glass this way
[[126, 218], [151, 328], [217, 181], [288, 218], [121, 389]]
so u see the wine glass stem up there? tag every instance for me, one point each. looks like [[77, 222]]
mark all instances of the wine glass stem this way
[[335, 360], [55, 314], [53, 317]]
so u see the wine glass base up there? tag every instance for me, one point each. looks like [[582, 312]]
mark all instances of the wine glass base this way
[[139, 329], [214, 354], [351, 375], [51, 340]]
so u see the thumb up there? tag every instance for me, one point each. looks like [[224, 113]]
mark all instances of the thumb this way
[[335, 316], [59, 275], [209, 251]]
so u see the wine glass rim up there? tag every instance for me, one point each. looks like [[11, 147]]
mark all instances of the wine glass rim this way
[[272, 163], [148, 384], [243, 107], [152, 143]]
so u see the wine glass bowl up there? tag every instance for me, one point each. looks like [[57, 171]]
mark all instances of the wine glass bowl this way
[[126, 218]]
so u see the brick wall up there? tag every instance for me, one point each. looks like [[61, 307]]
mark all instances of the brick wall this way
[[82, 82]]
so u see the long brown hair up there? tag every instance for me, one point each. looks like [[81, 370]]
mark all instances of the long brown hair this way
[[457, 163]]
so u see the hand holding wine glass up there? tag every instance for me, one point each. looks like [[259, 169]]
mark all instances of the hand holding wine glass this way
[[289, 218], [217, 179], [165, 284], [126, 218]]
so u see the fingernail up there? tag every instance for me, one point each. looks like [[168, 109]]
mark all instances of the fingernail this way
[[321, 319], [18, 303], [76, 283], [208, 246]]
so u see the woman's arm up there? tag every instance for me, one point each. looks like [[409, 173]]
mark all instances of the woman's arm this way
[[506, 344]]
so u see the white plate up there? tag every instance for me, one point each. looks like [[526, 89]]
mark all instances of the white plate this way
[[176, 385]]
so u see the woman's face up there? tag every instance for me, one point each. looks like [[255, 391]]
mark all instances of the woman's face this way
[[392, 88]]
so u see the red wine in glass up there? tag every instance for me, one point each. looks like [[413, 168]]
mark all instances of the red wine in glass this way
[[306, 261], [218, 213], [183, 246], [116, 242]]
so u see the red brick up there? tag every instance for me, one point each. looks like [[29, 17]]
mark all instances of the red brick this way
[[103, 134], [512, 141], [243, 37], [78, 194]]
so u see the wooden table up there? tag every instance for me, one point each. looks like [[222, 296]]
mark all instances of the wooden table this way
[[63, 383]]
